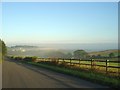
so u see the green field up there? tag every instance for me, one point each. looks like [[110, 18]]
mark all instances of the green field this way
[[111, 66], [95, 62]]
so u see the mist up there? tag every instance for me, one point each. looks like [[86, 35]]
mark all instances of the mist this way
[[52, 50]]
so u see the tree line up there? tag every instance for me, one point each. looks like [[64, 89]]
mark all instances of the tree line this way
[[78, 54], [82, 54]]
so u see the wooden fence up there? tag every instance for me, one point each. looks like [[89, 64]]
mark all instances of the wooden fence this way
[[93, 63]]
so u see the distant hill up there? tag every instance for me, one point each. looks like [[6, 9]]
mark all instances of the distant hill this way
[[43, 50], [105, 52], [23, 46]]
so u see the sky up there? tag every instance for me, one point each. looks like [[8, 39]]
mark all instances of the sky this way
[[60, 22]]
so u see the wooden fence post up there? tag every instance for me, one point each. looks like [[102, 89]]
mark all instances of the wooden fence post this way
[[50, 60], [63, 59], [107, 66], [58, 60], [91, 64], [70, 62], [79, 63]]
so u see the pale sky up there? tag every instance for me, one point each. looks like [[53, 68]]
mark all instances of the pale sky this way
[[60, 22]]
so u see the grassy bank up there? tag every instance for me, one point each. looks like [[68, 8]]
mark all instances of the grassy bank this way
[[87, 75], [0, 58]]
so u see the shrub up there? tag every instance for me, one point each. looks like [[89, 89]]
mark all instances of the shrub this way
[[63, 64], [27, 59], [34, 59], [17, 58], [30, 59]]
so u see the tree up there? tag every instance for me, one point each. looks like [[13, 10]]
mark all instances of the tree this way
[[93, 56], [99, 56], [80, 54], [111, 55], [68, 56], [3, 48]]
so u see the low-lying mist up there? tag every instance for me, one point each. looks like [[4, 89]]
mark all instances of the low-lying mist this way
[[56, 50]]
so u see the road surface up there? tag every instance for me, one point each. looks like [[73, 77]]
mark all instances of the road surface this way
[[18, 75]]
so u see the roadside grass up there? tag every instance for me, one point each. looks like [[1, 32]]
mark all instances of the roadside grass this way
[[87, 75], [0, 58]]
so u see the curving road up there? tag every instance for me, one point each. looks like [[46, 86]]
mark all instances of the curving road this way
[[17, 75]]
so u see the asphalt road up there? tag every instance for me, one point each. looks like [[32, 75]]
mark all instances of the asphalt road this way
[[17, 75]]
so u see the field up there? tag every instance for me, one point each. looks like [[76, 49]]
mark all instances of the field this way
[[109, 66]]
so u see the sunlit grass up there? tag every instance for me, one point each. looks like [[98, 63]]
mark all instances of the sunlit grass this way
[[88, 66], [97, 65], [78, 64]]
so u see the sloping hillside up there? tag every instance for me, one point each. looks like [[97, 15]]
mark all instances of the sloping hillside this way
[[105, 53]]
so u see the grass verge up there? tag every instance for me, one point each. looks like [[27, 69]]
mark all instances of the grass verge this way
[[0, 58], [87, 75]]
